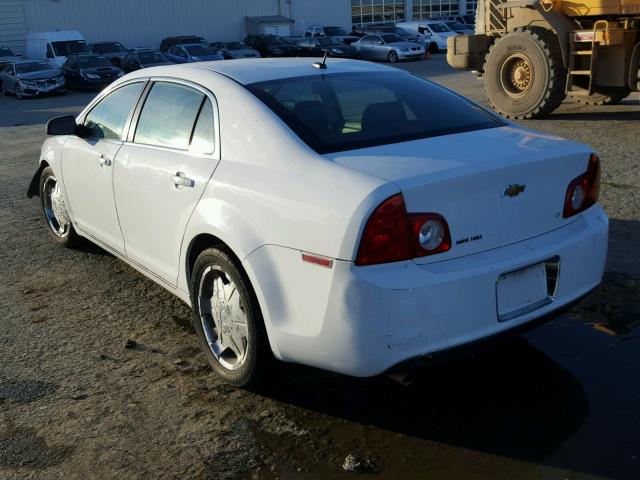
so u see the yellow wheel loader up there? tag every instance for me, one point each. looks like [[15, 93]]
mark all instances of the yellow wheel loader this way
[[531, 54]]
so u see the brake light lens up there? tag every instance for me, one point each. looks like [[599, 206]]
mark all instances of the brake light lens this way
[[392, 235], [583, 191]]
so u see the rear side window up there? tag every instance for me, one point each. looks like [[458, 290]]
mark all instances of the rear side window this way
[[346, 111], [203, 133], [168, 116], [108, 118]]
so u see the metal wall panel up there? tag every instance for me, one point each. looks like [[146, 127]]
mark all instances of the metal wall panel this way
[[13, 28], [146, 22]]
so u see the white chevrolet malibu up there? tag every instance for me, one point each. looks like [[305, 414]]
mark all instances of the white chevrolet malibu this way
[[348, 216]]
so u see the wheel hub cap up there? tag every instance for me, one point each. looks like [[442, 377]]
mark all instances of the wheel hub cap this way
[[54, 207], [516, 75], [223, 317]]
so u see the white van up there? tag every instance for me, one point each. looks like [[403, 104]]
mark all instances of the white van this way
[[55, 46], [432, 34]]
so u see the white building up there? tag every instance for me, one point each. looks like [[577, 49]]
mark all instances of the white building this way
[[145, 22]]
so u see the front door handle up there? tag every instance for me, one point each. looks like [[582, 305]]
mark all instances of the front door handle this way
[[105, 161], [180, 180]]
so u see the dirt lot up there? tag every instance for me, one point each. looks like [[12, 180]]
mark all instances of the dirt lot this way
[[562, 402]]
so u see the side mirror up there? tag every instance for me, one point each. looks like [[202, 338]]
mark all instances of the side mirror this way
[[66, 125]]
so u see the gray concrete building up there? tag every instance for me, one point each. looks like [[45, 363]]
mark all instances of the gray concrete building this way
[[145, 22]]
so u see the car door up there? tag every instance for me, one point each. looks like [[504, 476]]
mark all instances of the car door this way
[[10, 78], [87, 165], [162, 171]]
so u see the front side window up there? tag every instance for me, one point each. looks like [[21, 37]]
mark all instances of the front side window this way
[[168, 116], [108, 118], [346, 111]]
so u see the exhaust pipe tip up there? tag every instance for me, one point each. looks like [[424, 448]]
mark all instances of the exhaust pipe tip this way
[[405, 378]]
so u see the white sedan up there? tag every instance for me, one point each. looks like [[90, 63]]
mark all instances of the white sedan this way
[[351, 217]]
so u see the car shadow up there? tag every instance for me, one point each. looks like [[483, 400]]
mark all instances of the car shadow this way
[[596, 116], [512, 401]]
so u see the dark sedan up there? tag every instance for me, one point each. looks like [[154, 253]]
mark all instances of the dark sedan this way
[[272, 46], [89, 72], [114, 51], [143, 58], [31, 78], [317, 47]]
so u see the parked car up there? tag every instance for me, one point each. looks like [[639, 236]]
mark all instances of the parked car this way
[[193, 52], [7, 55], [142, 58], [360, 219], [337, 34], [389, 47], [114, 51], [89, 72], [271, 46], [318, 46], [169, 42], [464, 19], [31, 78], [235, 50], [401, 32], [432, 34], [461, 28], [55, 46]]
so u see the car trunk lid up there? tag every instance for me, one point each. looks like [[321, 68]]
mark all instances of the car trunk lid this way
[[494, 187]]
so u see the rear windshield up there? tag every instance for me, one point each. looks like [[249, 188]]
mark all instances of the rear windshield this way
[[335, 31], [199, 50], [93, 62], [469, 18], [333, 113], [69, 47], [151, 57], [108, 47], [236, 46]]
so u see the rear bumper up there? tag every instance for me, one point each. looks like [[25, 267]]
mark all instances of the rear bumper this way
[[362, 321]]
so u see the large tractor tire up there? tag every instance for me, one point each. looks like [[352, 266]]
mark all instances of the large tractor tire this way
[[524, 75]]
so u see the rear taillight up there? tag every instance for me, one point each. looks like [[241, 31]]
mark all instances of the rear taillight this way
[[583, 191], [391, 234]]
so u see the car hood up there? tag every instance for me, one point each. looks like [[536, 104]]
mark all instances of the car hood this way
[[101, 70], [111, 55], [213, 56], [9, 59], [242, 52], [40, 74], [156, 64]]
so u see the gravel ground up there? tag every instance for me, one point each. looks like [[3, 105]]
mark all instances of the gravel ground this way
[[101, 376]]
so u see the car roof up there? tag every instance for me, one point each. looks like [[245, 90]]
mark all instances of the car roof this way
[[253, 70]]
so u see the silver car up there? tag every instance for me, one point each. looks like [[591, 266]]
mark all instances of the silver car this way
[[235, 50], [30, 78], [389, 47]]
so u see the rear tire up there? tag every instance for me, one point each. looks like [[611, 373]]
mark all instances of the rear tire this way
[[5, 92], [228, 321], [524, 74], [601, 98]]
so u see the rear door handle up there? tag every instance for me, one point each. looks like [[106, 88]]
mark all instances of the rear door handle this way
[[105, 161], [180, 180]]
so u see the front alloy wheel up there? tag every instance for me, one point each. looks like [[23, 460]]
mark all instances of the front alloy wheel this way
[[228, 320], [54, 210], [393, 56]]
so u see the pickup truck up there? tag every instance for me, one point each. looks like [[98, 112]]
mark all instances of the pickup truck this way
[[337, 34]]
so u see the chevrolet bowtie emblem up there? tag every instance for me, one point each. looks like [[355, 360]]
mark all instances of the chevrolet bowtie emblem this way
[[513, 190]]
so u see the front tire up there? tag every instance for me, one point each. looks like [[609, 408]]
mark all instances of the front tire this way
[[228, 320], [54, 210], [433, 48], [393, 57], [524, 74]]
